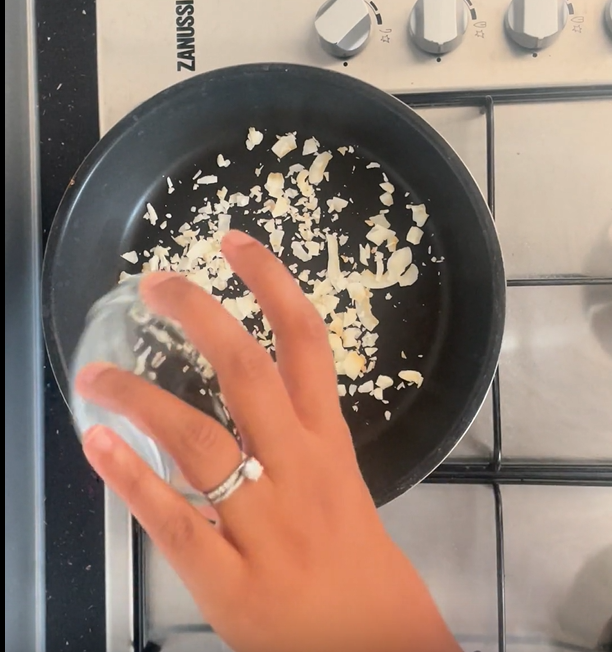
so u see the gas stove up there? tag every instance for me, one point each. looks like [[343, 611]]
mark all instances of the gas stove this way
[[512, 532]]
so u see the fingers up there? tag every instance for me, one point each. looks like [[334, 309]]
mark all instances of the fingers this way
[[304, 357], [251, 385], [205, 451], [189, 542]]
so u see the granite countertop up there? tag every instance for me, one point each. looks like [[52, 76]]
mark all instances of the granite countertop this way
[[68, 112]]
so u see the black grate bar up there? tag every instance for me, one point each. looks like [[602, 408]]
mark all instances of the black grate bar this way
[[496, 462], [501, 569], [495, 387], [138, 592], [513, 473], [508, 96], [490, 134], [538, 281], [543, 481]]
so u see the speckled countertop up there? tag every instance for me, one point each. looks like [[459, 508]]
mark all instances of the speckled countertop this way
[[74, 497]]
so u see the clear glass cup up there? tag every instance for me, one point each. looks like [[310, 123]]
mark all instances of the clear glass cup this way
[[121, 330]]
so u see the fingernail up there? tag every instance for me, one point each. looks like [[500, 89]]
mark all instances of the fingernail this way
[[98, 438], [237, 239], [89, 374]]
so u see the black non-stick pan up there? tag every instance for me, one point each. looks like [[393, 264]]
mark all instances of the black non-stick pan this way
[[448, 325]]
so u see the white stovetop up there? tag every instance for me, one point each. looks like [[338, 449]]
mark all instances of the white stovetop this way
[[137, 51]]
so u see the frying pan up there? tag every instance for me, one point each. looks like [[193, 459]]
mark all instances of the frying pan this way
[[448, 325]]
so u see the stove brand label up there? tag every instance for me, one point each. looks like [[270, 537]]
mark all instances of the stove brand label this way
[[185, 36]]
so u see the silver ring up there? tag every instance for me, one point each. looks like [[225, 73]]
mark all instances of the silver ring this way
[[248, 469]]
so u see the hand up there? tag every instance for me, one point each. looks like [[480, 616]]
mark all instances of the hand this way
[[300, 561]]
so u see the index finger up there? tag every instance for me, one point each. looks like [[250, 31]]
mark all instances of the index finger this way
[[304, 356], [252, 387]]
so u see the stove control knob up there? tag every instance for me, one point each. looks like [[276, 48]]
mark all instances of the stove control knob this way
[[343, 27], [438, 26], [608, 17], [535, 24]]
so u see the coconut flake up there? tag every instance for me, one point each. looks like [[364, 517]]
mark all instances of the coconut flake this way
[[284, 145], [411, 377], [386, 199], [130, 256], [170, 185], [238, 199], [313, 248], [281, 206], [350, 338], [223, 162], [409, 277], [376, 282], [336, 204], [311, 146], [254, 138], [247, 306], [151, 215], [317, 169], [224, 223], [299, 252], [379, 220], [276, 239], [372, 165], [384, 382], [303, 185], [361, 297], [398, 262], [419, 214], [353, 365], [414, 235], [364, 254], [207, 180], [333, 263], [379, 234], [349, 317], [275, 184]]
